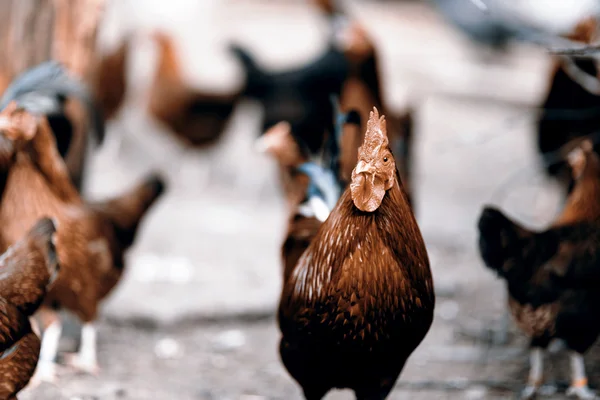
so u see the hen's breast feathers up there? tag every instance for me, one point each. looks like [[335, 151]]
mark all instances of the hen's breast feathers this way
[[350, 273]]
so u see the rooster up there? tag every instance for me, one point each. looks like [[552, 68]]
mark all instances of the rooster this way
[[196, 117], [361, 298], [28, 268], [50, 90], [545, 272], [91, 238]]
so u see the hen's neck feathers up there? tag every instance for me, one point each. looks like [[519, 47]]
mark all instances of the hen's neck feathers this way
[[391, 228]]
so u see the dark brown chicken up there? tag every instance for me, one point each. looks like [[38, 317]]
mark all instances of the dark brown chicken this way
[[280, 144], [540, 269], [90, 239], [27, 268], [362, 87], [568, 110], [195, 117], [360, 299]]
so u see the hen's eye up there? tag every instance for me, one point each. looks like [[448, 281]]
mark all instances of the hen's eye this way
[[385, 159]]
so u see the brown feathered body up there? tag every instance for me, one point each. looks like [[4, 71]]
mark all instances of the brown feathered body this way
[[359, 301], [582, 203], [26, 270], [37, 185], [196, 117], [301, 232], [360, 298], [72, 136], [109, 79]]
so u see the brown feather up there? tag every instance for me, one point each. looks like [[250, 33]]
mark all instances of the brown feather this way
[[196, 117], [109, 79], [26, 270]]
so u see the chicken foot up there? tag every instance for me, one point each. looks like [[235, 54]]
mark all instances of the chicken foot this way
[[536, 372], [579, 383], [85, 359], [46, 368]]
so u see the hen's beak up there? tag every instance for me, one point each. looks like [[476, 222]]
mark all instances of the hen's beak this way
[[363, 168]]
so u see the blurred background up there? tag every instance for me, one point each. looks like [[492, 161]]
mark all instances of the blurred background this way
[[194, 316]]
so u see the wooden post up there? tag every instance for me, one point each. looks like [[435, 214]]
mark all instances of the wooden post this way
[[33, 31]]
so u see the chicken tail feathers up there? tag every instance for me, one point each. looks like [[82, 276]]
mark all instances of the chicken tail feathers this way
[[126, 211], [500, 239], [41, 89], [256, 78]]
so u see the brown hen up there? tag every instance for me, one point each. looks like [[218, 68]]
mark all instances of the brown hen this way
[[28, 268], [360, 299], [90, 239], [197, 118]]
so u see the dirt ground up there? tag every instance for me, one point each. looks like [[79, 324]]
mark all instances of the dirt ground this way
[[193, 317]]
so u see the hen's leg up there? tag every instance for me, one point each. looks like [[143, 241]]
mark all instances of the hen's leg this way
[[579, 384], [86, 358], [536, 371], [46, 368]]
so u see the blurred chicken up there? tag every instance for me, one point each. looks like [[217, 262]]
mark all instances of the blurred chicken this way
[[321, 185], [360, 299], [539, 267], [569, 110], [109, 79], [90, 239], [195, 117], [290, 152], [299, 96], [363, 87], [50, 90], [28, 268], [321, 195], [582, 203]]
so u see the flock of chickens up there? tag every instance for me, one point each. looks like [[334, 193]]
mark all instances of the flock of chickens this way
[[358, 295]]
